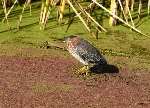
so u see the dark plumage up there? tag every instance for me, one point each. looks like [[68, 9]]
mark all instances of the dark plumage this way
[[83, 51]]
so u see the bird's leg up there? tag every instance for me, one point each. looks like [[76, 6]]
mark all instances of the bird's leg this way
[[84, 70]]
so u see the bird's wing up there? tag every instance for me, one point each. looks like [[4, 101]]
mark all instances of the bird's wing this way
[[89, 53]]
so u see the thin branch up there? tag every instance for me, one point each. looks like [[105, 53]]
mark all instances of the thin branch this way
[[148, 6], [10, 10], [20, 18], [78, 15], [61, 13], [92, 18], [140, 7], [132, 5], [5, 11], [115, 16], [131, 17], [72, 18], [122, 10]]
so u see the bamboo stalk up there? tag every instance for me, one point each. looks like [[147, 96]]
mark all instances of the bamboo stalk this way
[[92, 18], [29, 3], [122, 10], [20, 18], [130, 17], [119, 19], [148, 6], [44, 13], [10, 10], [5, 11], [126, 7], [71, 19], [132, 4], [140, 7], [24, 6], [62, 7], [113, 9], [42, 10], [47, 16], [96, 22], [78, 15]]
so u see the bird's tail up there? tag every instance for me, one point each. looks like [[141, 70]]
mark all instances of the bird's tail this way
[[102, 62]]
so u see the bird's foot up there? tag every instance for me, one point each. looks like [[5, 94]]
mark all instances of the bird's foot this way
[[83, 70]]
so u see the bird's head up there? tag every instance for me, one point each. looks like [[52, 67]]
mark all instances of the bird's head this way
[[68, 38]]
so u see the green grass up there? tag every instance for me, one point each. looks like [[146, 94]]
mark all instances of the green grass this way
[[120, 45]]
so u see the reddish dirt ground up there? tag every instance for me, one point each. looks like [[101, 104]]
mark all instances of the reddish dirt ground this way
[[49, 83]]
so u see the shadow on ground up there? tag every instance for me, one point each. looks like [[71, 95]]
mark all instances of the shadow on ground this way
[[108, 68]]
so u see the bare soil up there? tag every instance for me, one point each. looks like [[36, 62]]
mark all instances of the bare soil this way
[[46, 82]]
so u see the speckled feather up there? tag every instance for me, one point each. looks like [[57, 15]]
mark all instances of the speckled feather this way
[[83, 51]]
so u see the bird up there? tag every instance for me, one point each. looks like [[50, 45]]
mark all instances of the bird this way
[[84, 52]]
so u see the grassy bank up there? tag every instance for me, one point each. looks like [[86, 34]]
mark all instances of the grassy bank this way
[[120, 45]]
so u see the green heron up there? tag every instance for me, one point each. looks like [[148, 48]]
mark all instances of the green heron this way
[[84, 52]]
